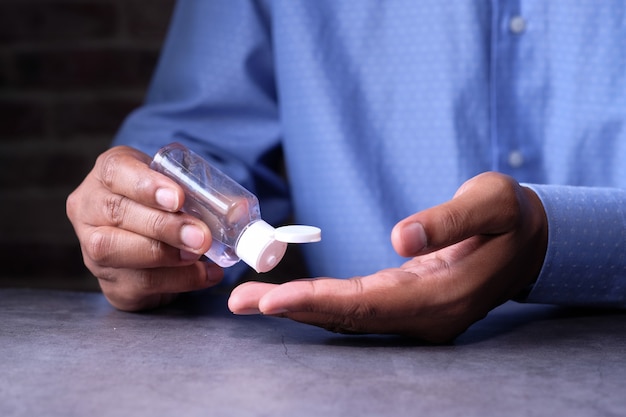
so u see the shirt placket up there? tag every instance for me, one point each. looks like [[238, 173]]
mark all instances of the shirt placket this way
[[519, 89]]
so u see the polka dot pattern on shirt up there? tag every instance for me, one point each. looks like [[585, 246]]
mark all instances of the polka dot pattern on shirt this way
[[586, 259]]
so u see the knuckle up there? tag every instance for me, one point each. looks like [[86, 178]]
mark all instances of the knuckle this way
[[501, 184], [156, 250], [355, 315], [156, 223], [108, 163], [115, 207], [124, 289], [71, 204], [361, 310], [510, 195], [98, 247], [457, 218]]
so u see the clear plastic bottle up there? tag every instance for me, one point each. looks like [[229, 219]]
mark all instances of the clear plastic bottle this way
[[231, 212]]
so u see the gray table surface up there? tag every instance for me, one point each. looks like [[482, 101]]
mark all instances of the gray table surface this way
[[72, 354]]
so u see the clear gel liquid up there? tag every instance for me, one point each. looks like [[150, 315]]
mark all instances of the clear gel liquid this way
[[225, 206]]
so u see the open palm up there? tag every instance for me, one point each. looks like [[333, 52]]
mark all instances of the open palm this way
[[478, 250]]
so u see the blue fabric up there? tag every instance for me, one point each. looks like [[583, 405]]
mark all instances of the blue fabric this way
[[384, 108]]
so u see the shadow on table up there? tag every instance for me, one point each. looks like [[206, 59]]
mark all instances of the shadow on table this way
[[510, 318]]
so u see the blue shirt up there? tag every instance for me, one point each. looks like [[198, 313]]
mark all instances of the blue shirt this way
[[384, 108]]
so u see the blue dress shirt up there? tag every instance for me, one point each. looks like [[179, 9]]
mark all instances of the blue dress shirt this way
[[384, 108]]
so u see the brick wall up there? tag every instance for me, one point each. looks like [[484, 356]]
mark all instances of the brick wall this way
[[70, 70]]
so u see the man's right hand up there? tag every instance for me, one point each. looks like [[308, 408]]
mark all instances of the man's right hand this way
[[133, 237]]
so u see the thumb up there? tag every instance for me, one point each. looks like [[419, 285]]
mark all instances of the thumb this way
[[486, 204]]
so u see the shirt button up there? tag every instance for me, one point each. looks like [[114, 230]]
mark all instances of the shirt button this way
[[517, 24], [516, 159]]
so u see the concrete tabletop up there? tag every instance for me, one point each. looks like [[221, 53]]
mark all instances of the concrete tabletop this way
[[72, 354]]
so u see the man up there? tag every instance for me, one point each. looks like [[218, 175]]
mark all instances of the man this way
[[487, 138]]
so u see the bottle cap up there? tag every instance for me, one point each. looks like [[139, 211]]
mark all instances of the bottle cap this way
[[298, 234], [262, 247]]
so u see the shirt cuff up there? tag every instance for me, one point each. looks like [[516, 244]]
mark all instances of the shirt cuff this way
[[585, 262]]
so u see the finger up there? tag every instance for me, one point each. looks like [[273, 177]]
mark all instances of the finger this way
[[133, 290], [357, 305], [392, 301], [176, 229], [318, 295], [244, 299], [486, 204], [117, 248], [125, 171], [360, 298], [328, 303]]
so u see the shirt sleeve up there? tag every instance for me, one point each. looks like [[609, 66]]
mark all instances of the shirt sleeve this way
[[585, 263], [213, 90]]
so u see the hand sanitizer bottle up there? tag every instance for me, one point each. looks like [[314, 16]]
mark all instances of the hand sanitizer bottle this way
[[231, 212]]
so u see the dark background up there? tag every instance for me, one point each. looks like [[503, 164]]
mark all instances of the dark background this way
[[70, 71]]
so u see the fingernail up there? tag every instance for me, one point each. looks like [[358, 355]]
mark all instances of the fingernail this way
[[414, 238], [214, 273], [167, 198], [188, 256], [192, 236], [275, 312], [247, 312]]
